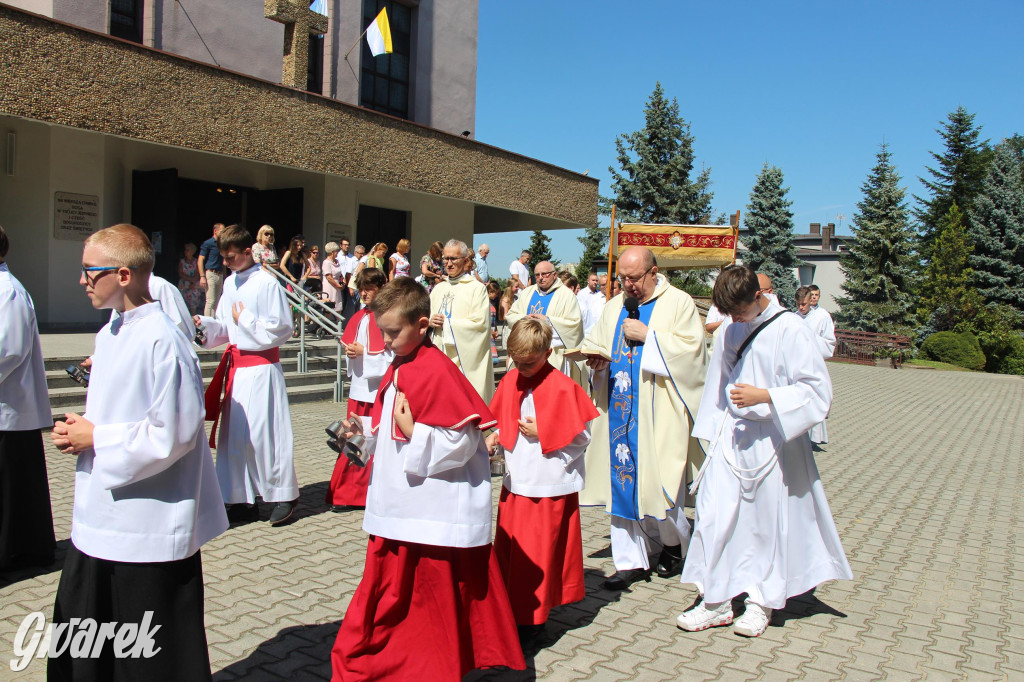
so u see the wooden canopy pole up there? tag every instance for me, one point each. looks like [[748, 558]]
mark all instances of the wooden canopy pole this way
[[611, 250], [736, 234]]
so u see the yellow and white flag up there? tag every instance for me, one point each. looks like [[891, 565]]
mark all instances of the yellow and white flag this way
[[378, 35]]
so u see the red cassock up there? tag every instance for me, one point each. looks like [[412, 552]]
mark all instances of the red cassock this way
[[426, 612], [348, 481], [538, 542]]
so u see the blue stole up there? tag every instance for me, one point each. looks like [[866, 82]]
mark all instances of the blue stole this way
[[623, 408], [540, 301]]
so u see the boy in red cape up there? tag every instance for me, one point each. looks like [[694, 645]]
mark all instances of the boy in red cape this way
[[431, 604], [368, 360], [538, 542]]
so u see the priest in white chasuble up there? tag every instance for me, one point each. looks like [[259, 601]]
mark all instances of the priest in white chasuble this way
[[552, 302], [460, 320], [649, 358]]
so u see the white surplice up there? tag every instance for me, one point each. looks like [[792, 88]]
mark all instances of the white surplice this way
[[365, 371], [147, 490], [763, 525], [172, 303], [591, 305], [824, 329], [254, 446], [530, 472], [434, 489], [24, 399]]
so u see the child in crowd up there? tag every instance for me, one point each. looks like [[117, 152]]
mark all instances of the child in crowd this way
[[431, 603], [543, 424], [146, 495], [820, 323], [763, 526], [368, 360], [255, 452]]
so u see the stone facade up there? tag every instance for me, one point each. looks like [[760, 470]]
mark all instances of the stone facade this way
[[60, 74]]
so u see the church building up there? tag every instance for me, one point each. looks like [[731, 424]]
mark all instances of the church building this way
[[175, 115]]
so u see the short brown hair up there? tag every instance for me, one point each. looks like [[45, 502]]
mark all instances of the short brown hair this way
[[5, 243], [568, 279], [528, 336], [403, 296], [801, 294], [371, 277], [236, 236], [126, 244], [735, 288]]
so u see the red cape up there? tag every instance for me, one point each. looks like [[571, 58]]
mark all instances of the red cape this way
[[438, 393], [375, 338], [563, 408]]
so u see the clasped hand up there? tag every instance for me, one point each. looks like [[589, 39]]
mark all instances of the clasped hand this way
[[745, 395], [73, 435]]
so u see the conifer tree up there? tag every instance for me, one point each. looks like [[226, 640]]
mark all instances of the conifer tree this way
[[948, 295], [540, 249], [879, 264], [595, 245], [770, 239], [956, 179], [997, 218], [657, 162]]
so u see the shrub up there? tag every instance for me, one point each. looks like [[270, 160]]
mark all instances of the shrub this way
[[1004, 351], [962, 350]]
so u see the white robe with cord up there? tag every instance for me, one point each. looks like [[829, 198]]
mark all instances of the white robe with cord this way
[[762, 524], [824, 329], [254, 446], [466, 335]]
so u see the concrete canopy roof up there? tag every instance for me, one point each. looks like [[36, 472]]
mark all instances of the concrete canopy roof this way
[[61, 74]]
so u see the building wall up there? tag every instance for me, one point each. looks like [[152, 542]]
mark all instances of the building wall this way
[[444, 86]]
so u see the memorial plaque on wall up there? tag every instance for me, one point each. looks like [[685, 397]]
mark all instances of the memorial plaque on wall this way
[[75, 216], [336, 232]]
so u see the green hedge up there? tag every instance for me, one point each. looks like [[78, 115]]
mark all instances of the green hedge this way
[[962, 350]]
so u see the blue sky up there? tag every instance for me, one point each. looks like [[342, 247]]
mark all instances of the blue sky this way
[[811, 87]]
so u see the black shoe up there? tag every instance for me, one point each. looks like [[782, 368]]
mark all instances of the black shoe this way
[[282, 512], [670, 562], [623, 579], [243, 513]]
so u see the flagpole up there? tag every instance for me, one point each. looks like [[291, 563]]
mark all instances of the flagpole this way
[[611, 243], [357, 42]]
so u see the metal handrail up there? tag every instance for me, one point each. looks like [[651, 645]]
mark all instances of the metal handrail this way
[[327, 318]]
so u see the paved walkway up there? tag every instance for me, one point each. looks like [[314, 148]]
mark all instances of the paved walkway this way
[[926, 482]]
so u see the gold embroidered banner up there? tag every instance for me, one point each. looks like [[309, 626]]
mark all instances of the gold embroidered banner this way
[[682, 246]]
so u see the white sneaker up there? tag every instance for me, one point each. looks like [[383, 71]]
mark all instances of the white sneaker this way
[[704, 616], [754, 620]]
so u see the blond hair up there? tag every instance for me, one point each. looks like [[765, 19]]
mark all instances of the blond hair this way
[[126, 244], [402, 244], [263, 232], [529, 336]]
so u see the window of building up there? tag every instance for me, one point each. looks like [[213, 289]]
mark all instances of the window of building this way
[[315, 72], [384, 80], [126, 19]]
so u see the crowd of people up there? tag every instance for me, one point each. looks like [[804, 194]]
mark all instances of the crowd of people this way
[[613, 402]]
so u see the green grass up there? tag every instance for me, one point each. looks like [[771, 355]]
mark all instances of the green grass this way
[[920, 362]]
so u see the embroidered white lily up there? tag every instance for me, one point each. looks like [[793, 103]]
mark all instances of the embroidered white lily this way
[[622, 453], [622, 381]]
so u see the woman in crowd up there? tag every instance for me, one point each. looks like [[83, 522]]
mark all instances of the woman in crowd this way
[[431, 267], [263, 251], [398, 265], [312, 272], [291, 261], [188, 280]]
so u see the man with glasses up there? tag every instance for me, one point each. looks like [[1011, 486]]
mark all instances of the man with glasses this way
[[649, 368], [460, 319], [553, 303]]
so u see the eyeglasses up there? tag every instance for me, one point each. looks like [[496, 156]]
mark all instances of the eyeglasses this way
[[544, 274], [102, 268], [634, 280], [452, 259]]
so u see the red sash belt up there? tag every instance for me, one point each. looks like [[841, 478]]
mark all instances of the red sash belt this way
[[224, 377]]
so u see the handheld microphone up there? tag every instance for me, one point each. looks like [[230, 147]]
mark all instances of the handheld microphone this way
[[632, 307]]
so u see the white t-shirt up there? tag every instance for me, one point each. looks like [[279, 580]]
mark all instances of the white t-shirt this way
[[520, 270]]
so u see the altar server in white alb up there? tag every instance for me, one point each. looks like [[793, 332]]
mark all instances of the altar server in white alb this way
[[555, 304], [254, 446], [763, 525], [461, 319], [26, 521], [146, 495], [431, 603], [824, 329]]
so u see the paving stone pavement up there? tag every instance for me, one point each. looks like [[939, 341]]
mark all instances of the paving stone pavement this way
[[925, 479]]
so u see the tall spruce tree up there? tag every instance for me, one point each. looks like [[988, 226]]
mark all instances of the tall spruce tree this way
[[657, 162], [540, 249], [595, 246], [956, 179], [997, 218], [880, 263], [770, 239], [948, 296]]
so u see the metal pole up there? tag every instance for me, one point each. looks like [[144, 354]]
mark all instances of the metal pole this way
[[339, 389], [302, 338]]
